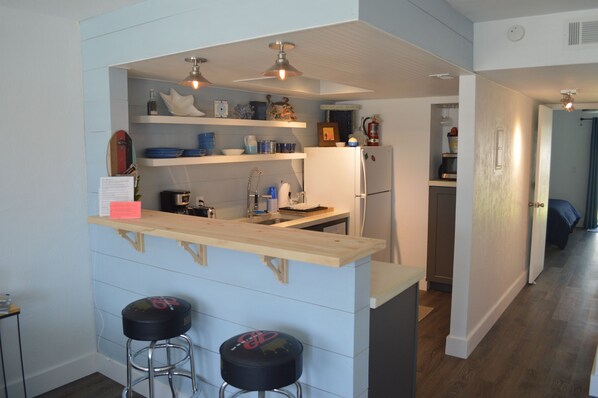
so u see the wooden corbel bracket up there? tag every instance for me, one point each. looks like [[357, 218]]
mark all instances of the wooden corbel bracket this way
[[137, 243], [199, 255], [281, 271]]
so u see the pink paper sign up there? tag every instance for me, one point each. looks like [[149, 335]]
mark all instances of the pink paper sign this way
[[125, 209]]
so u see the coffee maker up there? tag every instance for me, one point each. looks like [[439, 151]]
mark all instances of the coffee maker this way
[[175, 201], [448, 168]]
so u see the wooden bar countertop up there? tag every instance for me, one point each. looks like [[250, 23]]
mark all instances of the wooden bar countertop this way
[[288, 243]]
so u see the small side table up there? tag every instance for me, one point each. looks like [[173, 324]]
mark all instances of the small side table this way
[[12, 311]]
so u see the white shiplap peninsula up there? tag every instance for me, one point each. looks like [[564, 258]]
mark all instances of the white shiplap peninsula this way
[[325, 301]]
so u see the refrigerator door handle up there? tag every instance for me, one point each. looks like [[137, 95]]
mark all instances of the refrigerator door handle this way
[[363, 194]]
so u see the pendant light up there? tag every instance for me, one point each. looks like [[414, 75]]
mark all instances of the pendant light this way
[[282, 68], [195, 79], [567, 100]]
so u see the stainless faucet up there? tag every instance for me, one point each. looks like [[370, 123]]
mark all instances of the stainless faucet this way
[[252, 206]]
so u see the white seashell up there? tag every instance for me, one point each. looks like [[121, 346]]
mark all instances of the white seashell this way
[[180, 105]]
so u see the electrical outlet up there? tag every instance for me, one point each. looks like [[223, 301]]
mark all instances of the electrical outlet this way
[[198, 200]]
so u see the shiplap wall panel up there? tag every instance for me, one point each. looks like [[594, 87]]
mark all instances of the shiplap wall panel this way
[[248, 307], [313, 281]]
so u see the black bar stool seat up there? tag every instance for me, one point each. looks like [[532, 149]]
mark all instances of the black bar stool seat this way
[[261, 361], [154, 319]]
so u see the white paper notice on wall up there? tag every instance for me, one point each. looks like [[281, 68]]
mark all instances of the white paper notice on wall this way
[[115, 189]]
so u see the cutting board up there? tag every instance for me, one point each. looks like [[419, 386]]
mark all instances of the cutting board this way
[[307, 212]]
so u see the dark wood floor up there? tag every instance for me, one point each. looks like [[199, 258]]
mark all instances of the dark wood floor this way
[[93, 386], [542, 346]]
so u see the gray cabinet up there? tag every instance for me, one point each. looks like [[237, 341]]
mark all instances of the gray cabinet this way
[[334, 227], [441, 237], [393, 346]]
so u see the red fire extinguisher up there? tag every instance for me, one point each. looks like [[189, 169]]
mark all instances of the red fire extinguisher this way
[[372, 130]]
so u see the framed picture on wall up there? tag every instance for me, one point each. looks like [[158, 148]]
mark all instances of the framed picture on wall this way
[[327, 134]]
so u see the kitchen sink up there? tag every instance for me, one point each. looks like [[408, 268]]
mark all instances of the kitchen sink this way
[[271, 221], [268, 218]]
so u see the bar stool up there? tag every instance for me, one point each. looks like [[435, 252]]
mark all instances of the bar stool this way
[[261, 361], [156, 319]]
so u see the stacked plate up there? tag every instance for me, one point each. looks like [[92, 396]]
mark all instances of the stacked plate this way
[[163, 153], [194, 152]]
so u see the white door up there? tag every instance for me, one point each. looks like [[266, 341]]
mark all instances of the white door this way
[[539, 205]]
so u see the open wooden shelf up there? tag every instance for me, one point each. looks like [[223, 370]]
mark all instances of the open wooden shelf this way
[[214, 121], [215, 159]]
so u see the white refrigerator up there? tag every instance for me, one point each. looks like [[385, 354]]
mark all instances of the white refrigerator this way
[[357, 180]]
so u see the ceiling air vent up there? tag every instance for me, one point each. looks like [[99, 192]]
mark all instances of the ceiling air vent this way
[[583, 33]]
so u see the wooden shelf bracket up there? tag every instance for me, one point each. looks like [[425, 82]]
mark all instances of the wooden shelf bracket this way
[[137, 243], [281, 271], [199, 254]]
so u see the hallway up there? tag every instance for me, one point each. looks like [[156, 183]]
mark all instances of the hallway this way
[[542, 346]]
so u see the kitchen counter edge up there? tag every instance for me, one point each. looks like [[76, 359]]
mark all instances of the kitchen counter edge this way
[[287, 243], [389, 280]]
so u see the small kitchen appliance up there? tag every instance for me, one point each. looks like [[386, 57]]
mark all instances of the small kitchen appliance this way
[[174, 201], [448, 168], [201, 210]]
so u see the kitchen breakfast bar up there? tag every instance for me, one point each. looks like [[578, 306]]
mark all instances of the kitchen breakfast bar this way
[[240, 276]]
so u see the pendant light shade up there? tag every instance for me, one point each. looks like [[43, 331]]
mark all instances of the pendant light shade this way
[[567, 100], [195, 79], [282, 68]]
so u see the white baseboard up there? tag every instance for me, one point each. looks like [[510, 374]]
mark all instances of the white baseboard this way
[[60, 375], [462, 347]]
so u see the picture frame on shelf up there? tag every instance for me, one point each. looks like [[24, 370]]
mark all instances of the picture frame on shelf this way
[[328, 134], [220, 109]]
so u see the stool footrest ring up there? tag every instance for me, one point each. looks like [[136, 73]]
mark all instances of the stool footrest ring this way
[[178, 347], [280, 391]]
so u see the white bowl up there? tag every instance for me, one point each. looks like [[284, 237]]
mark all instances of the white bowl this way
[[233, 151], [340, 144]]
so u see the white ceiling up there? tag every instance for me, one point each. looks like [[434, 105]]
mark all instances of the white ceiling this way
[[491, 10], [352, 54]]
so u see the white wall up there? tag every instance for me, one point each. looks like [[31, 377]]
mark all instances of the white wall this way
[[570, 158], [406, 127], [545, 38], [492, 219], [43, 230]]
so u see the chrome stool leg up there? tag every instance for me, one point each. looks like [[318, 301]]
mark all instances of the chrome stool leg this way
[[150, 368], [192, 362], [129, 389], [170, 372]]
